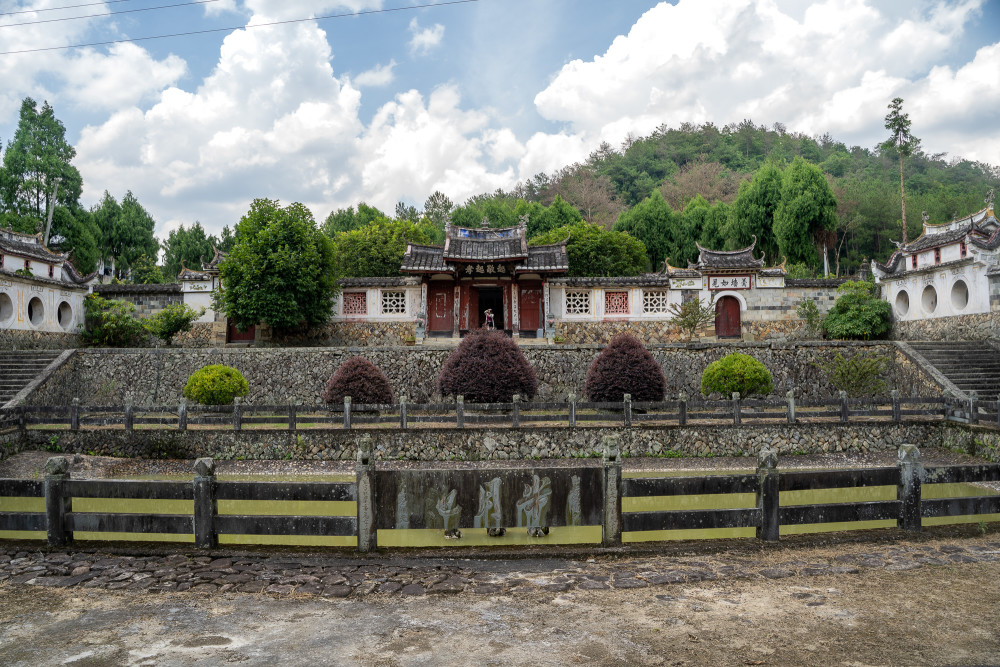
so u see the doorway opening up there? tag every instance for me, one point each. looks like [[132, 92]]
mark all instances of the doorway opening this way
[[491, 298]]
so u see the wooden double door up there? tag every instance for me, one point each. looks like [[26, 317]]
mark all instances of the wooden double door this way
[[727, 318], [440, 308]]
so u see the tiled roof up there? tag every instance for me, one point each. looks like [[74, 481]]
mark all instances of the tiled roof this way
[[981, 228], [727, 259], [645, 280], [386, 281], [27, 245], [424, 259], [75, 276], [545, 259], [165, 288], [485, 244], [39, 279], [187, 274], [218, 257], [815, 282]]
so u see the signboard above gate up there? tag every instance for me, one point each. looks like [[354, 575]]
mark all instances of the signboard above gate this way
[[728, 282]]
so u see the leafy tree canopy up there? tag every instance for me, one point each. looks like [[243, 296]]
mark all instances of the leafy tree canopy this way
[[595, 251], [753, 213], [377, 248], [346, 219], [188, 245], [859, 313], [658, 226], [807, 211], [281, 270]]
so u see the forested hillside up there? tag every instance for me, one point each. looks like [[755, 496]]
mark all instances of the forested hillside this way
[[722, 186]]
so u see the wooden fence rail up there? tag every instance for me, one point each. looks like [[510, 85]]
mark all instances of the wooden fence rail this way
[[735, 411], [376, 496]]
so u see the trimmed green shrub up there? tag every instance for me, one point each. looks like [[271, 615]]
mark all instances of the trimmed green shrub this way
[[216, 385], [859, 375], [859, 313], [487, 367], [625, 366], [360, 379], [110, 323], [172, 320], [736, 372]]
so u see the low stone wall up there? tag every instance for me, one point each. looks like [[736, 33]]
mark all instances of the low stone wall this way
[[202, 334], [492, 443], [16, 339], [974, 440], [283, 375], [350, 334], [12, 442], [983, 326], [147, 299]]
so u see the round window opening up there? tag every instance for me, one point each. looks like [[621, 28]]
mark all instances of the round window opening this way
[[959, 295], [36, 311], [6, 308], [929, 299], [65, 315], [902, 303]]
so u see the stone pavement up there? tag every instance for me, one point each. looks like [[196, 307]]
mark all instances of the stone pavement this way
[[284, 574]]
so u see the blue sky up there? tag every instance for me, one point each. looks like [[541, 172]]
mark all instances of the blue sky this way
[[465, 98]]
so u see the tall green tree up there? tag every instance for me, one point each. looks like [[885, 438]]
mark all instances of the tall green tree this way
[[904, 143], [807, 213], [346, 219], [559, 213], [105, 214], [281, 270], [36, 172], [595, 251], [377, 248], [130, 235], [226, 239], [660, 229], [438, 207], [76, 232], [188, 245], [753, 212]]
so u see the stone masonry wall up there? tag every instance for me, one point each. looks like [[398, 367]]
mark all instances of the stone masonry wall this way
[[147, 299], [493, 443], [16, 339], [982, 326], [283, 375]]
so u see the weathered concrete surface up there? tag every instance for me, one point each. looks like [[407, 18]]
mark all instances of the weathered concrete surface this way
[[932, 615]]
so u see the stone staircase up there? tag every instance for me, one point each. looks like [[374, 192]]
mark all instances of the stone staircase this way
[[972, 366], [17, 369]]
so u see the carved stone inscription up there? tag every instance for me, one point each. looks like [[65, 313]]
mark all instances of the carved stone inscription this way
[[489, 498]]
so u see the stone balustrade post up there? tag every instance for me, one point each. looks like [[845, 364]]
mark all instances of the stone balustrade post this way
[[897, 414], [844, 407], [737, 414], [129, 416], [515, 417], [292, 416], [908, 493], [973, 409], [347, 412], [790, 398], [365, 479], [182, 415], [612, 528], [402, 411], [572, 410], [205, 505], [767, 495], [237, 414], [682, 417], [460, 411], [74, 415], [627, 409], [57, 503]]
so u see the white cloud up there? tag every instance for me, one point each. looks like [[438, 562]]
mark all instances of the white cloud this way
[[221, 7], [832, 67], [425, 39], [126, 75], [380, 75]]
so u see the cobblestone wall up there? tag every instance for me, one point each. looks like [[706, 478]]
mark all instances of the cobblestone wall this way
[[351, 334], [497, 443], [16, 339], [148, 299], [281, 375], [983, 326]]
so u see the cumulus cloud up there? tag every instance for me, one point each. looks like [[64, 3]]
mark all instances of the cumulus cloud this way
[[832, 68], [425, 39], [380, 75]]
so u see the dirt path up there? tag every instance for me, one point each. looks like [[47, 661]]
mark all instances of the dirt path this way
[[933, 616]]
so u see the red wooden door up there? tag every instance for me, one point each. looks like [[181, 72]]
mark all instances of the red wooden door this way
[[440, 303], [727, 318], [234, 335], [530, 304]]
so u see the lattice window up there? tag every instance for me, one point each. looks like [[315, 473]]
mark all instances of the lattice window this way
[[577, 302], [616, 303], [355, 303], [655, 301], [393, 303]]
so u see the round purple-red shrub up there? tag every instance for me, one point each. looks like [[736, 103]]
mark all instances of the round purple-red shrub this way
[[487, 367], [625, 366], [360, 379]]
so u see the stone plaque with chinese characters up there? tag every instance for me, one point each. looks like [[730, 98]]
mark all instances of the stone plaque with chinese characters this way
[[685, 283], [486, 270], [729, 282]]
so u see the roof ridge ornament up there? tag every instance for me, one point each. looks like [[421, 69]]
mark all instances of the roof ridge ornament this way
[[989, 199], [485, 224]]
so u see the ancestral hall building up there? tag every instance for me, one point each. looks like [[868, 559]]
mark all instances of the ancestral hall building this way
[[480, 272], [951, 269]]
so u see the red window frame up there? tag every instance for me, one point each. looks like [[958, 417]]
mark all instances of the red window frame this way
[[27, 265], [937, 255], [913, 261], [964, 248]]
